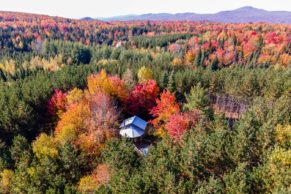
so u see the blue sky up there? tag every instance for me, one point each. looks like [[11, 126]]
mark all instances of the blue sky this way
[[106, 8]]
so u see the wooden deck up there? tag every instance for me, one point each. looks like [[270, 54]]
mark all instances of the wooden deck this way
[[229, 106]]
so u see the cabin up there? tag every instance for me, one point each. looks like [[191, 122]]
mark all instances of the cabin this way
[[135, 128]]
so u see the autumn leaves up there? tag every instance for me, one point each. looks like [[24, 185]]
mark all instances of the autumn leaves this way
[[89, 117]]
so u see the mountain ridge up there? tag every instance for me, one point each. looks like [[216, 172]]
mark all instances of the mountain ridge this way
[[241, 15]]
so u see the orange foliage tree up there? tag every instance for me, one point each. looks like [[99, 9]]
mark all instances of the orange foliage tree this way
[[90, 116], [74, 117], [88, 123], [166, 107], [100, 124]]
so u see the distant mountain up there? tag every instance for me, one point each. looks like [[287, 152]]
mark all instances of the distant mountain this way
[[88, 19], [241, 15]]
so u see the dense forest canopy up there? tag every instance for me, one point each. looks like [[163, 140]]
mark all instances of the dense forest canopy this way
[[217, 99]]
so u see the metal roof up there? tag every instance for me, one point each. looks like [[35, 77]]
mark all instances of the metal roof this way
[[133, 127], [135, 120], [131, 132]]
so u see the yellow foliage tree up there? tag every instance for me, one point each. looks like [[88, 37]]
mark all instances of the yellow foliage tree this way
[[74, 96], [6, 180], [45, 146], [110, 85], [8, 67], [283, 134], [280, 157], [88, 184], [144, 74], [53, 64], [99, 82], [105, 62], [177, 61], [278, 169], [67, 134]]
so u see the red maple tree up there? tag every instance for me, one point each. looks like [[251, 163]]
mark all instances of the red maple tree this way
[[143, 98]]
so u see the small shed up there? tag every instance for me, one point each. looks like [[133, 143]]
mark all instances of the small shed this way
[[133, 127]]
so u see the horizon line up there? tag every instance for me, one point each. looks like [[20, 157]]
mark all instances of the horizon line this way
[[139, 14]]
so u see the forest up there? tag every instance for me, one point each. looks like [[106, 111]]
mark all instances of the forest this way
[[216, 98]]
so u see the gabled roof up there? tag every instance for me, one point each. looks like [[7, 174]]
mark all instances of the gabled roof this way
[[136, 121], [133, 127], [131, 131]]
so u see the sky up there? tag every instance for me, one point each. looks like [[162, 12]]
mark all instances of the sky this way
[[108, 8]]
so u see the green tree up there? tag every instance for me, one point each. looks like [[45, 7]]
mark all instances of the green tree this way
[[20, 150], [120, 154], [197, 61], [198, 99], [214, 64], [171, 82], [81, 55]]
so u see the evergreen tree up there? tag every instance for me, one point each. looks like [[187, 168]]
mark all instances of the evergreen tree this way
[[197, 61], [198, 99], [171, 82], [214, 64], [20, 150]]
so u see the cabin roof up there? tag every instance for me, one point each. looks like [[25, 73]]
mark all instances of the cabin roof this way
[[131, 132], [133, 127], [136, 121]]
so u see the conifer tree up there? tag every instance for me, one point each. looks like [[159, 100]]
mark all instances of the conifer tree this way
[[198, 99], [197, 61], [171, 82]]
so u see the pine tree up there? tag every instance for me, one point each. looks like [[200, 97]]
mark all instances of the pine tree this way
[[197, 60], [214, 64], [202, 59], [20, 150], [198, 99], [171, 82]]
